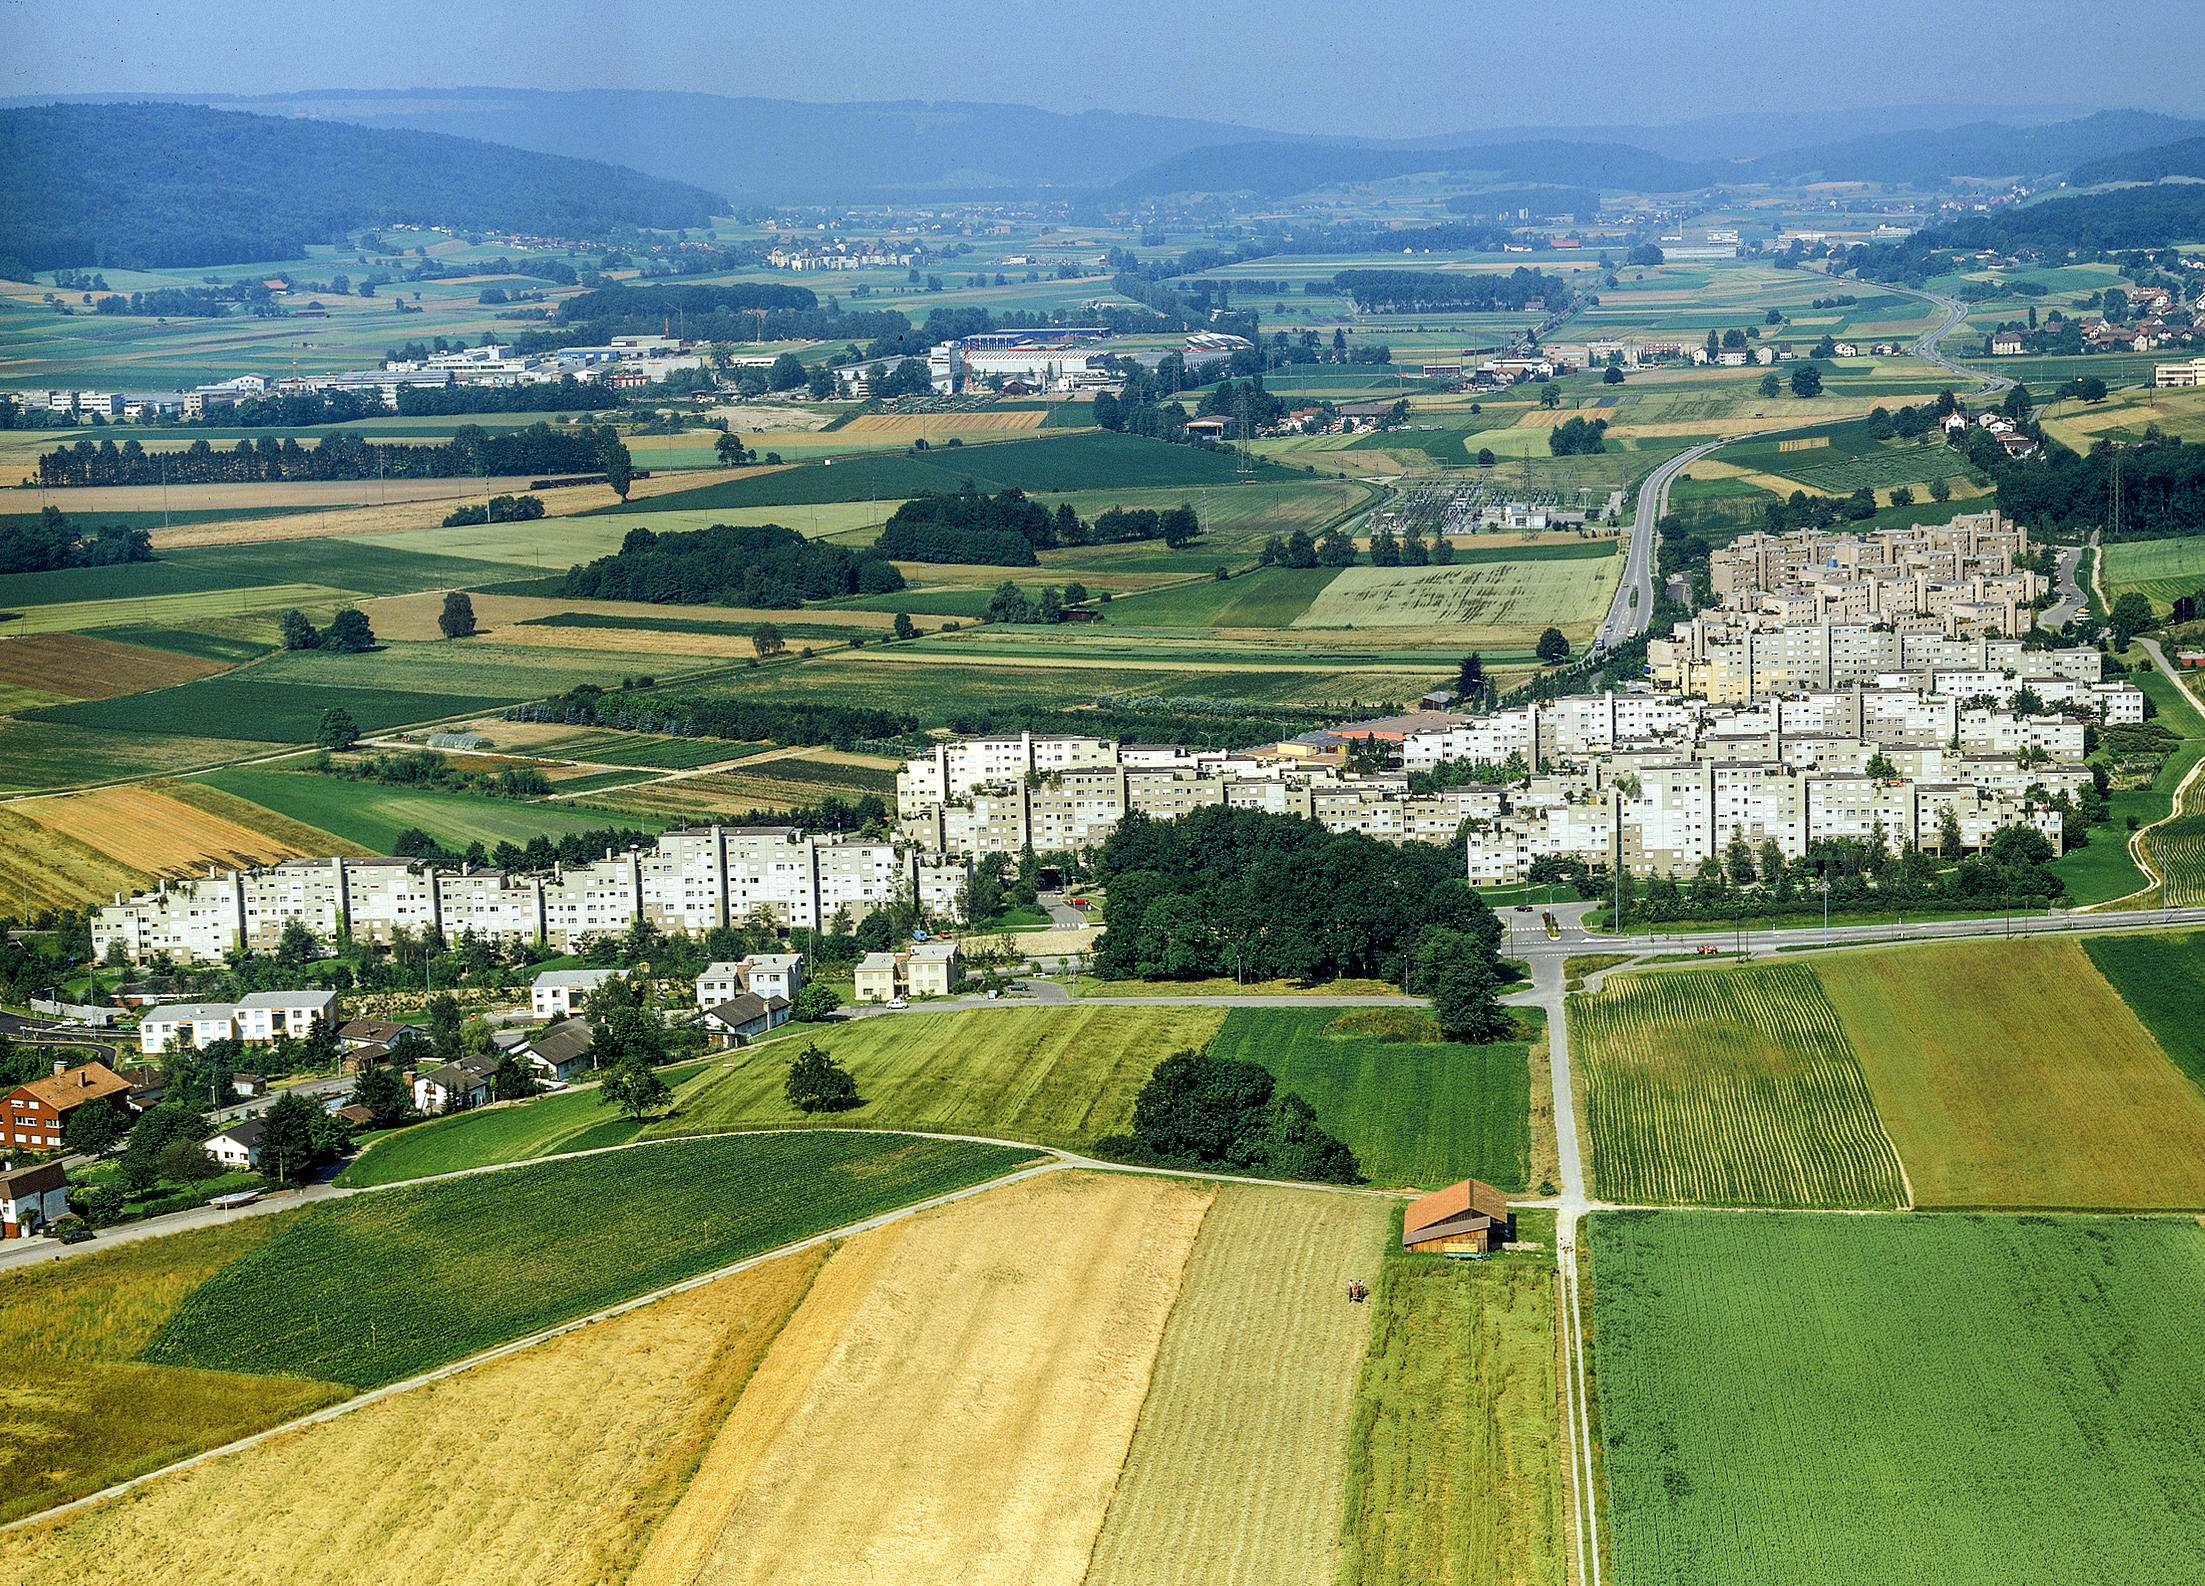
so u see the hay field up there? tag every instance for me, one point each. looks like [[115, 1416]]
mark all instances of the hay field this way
[[906, 426], [146, 830], [79, 666], [77, 1413], [1062, 1076], [178, 610], [1568, 593], [1237, 1468], [953, 1401], [2011, 1074], [61, 872], [1728, 1088], [551, 1466]]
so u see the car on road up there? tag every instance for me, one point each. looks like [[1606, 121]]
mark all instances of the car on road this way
[[1523, 908], [75, 1234]]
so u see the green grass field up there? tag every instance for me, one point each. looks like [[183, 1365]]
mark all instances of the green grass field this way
[[47, 754], [1962, 1041], [372, 814], [1270, 597], [1455, 1458], [1414, 1113], [2103, 871], [187, 641], [1236, 1467], [1056, 1076], [78, 1413], [2162, 979], [1568, 592], [1727, 1088], [371, 1290], [1887, 1400], [2165, 570]]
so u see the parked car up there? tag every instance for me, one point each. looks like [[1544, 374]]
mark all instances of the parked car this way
[[75, 1234], [898, 1003]]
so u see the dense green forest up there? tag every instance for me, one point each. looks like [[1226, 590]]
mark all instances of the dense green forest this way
[[2186, 158], [539, 449], [2130, 217], [2162, 488], [1412, 291], [761, 566], [52, 541], [155, 186]]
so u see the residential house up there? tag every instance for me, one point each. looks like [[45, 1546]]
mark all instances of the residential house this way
[[368, 1032], [1470, 1218], [39, 1111], [147, 1087], [454, 1087], [249, 1085], [238, 1146], [879, 978], [767, 974], [558, 993], [741, 1020], [264, 1015], [931, 969], [353, 1116], [32, 1197], [559, 1052], [200, 1023], [2007, 344]]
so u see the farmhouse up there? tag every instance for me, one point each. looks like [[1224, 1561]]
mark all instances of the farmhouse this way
[[1469, 1218], [742, 1019], [39, 1112], [32, 1197]]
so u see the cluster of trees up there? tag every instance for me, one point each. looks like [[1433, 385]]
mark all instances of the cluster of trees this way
[[1574, 437], [759, 565], [156, 186], [565, 395], [1200, 1111], [52, 542], [1409, 549], [1009, 603], [2162, 487], [498, 509], [539, 449], [349, 631], [1333, 549], [1006, 529], [2087, 227], [745, 312], [1420, 291], [745, 719], [428, 769], [1243, 892]]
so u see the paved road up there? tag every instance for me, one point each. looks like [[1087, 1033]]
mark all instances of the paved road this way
[[2072, 602], [1061, 911]]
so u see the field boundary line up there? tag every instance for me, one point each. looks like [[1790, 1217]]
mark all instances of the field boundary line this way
[[541, 1336]]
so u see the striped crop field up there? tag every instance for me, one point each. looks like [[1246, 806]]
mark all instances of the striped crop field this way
[[1885, 1401], [1728, 1088], [2176, 846]]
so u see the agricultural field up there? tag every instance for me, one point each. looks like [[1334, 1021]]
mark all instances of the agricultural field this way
[[144, 829], [370, 815], [80, 1412], [1269, 597], [259, 703], [1964, 1399], [1456, 1455], [775, 783], [1419, 1113], [2164, 570], [1510, 599], [1056, 1076], [1236, 1467], [1728, 1088], [50, 668], [446, 1269], [58, 872], [984, 1364], [1962, 1041], [595, 747], [624, 1408], [2162, 979], [2104, 871]]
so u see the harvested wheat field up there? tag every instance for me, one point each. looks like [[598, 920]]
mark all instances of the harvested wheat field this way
[[550, 1466], [954, 1400], [152, 830], [78, 666], [61, 872], [1239, 1465], [897, 426]]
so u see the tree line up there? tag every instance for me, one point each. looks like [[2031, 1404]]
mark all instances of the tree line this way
[[51, 542], [759, 565], [1008, 528], [472, 451], [1418, 291]]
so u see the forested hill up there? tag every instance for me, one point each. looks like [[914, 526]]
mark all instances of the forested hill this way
[[155, 186], [2125, 218], [2186, 158]]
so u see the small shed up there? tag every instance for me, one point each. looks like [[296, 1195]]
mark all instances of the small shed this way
[[1470, 1218]]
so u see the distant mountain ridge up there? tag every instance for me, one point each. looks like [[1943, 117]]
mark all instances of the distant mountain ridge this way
[[2183, 158], [165, 185]]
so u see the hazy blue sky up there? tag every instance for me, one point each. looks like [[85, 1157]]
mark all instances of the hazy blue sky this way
[[1378, 67]]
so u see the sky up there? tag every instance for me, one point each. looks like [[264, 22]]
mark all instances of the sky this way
[[1379, 68]]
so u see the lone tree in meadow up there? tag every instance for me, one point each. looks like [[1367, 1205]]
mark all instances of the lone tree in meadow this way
[[817, 1083], [1470, 676], [457, 619], [349, 630], [337, 729], [631, 1086], [767, 641], [619, 469], [1806, 380], [1552, 646]]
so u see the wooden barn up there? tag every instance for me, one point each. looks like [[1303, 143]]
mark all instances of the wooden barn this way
[[1469, 1218]]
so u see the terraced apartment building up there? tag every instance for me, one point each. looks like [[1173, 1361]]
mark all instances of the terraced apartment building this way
[[689, 881]]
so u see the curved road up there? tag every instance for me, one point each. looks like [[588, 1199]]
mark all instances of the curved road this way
[[1633, 607]]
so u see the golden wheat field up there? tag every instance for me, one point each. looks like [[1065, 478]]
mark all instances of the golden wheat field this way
[[59, 871], [550, 1467], [1237, 1468], [952, 1402], [900, 425], [152, 830]]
